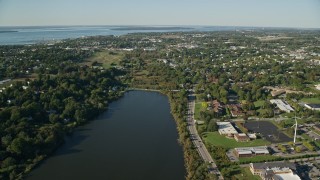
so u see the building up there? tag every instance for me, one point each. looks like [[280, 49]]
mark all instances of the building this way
[[277, 92], [217, 107], [251, 151], [227, 129], [282, 105], [314, 107], [242, 137], [252, 136], [318, 87], [275, 171], [235, 110]]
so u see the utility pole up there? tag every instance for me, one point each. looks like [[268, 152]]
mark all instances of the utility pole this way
[[295, 129]]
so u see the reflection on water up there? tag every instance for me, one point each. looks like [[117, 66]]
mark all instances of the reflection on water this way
[[136, 139]]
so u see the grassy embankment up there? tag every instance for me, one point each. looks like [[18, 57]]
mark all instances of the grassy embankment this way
[[311, 100]]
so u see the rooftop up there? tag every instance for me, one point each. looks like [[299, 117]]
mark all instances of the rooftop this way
[[226, 128], [269, 165], [250, 150], [287, 176], [282, 105], [314, 105]]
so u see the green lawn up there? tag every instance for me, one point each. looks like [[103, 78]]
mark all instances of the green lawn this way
[[245, 174], [258, 158], [258, 104], [197, 110], [311, 100], [106, 58], [215, 139]]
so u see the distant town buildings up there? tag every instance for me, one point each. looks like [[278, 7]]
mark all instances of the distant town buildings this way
[[282, 105], [251, 151], [5, 81], [275, 171]]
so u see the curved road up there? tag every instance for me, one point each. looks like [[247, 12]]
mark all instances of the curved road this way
[[196, 140]]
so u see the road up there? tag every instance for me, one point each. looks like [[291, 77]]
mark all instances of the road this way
[[196, 140]]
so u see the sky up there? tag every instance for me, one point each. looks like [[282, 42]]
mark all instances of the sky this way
[[260, 13]]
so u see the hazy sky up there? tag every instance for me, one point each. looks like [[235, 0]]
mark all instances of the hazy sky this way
[[275, 13]]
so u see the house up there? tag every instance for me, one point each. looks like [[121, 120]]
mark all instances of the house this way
[[314, 107], [226, 128], [251, 151], [241, 137], [217, 107], [275, 171], [235, 110]]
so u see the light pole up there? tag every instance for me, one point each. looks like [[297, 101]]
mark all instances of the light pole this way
[[295, 130]]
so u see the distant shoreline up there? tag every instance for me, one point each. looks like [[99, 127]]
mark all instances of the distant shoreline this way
[[150, 28], [8, 31]]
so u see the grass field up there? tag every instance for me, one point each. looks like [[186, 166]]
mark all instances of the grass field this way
[[245, 174], [258, 158], [197, 110], [311, 100], [258, 104], [105, 58], [215, 139]]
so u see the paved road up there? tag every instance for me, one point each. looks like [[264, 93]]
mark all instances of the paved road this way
[[196, 140]]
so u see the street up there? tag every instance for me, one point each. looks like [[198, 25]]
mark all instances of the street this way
[[196, 140]]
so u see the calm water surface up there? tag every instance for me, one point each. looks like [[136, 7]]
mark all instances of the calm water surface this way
[[136, 139], [45, 34]]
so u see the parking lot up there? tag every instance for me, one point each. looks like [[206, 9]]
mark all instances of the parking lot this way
[[268, 130]]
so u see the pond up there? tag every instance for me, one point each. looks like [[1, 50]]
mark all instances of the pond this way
[[136, 138]]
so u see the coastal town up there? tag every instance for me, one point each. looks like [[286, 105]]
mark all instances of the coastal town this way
[[246, 102]]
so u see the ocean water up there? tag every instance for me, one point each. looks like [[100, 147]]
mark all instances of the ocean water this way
[[41, 34]]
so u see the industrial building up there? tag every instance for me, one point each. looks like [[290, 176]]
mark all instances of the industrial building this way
[[251, 151]]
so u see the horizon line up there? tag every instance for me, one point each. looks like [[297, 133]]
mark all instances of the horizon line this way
[[140, 25]]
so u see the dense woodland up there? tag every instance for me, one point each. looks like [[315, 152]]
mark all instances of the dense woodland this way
[[37, 113]]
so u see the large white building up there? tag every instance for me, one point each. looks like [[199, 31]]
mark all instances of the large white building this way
[[282, 105], [226, 128], [275, 171]]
